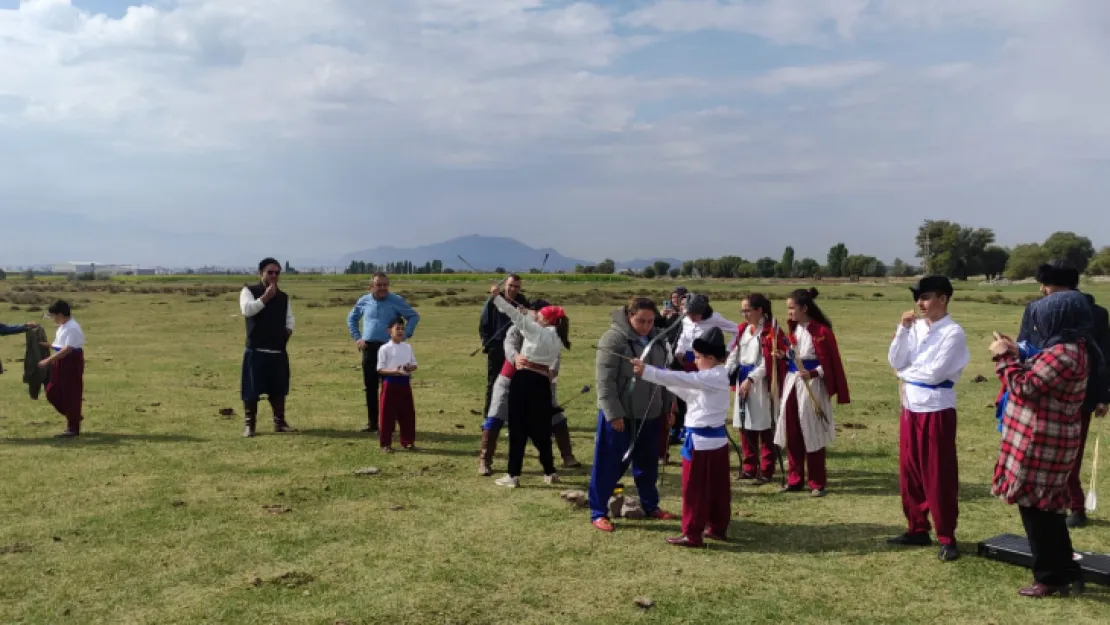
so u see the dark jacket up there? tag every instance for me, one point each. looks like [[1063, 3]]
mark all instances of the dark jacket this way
[[493, 325], [1098, 381], [34, 377], [6, 330], [615, 398]]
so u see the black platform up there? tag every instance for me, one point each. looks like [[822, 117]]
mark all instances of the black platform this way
[[1014, 549]]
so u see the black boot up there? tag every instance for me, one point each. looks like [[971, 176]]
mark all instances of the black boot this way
[[251, 412], [1077, 519], [280, 425], [489, 446]]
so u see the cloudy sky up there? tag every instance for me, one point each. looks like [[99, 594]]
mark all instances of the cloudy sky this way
[[193, 131]]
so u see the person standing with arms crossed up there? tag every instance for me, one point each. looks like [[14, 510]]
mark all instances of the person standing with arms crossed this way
[[929, 355], [376, 310], [491, 330]]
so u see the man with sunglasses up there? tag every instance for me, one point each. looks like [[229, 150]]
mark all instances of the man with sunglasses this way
[[269, 320]]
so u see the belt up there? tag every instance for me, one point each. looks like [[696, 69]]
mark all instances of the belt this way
[[809, 365], [58, 349], [708, 432], [944, 384], [744, 371], [538, 368]]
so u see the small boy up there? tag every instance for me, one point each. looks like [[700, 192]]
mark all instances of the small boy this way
[[706, 491], [66, 385], [396, 362]]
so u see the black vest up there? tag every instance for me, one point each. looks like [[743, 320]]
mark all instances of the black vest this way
[[266, 330]]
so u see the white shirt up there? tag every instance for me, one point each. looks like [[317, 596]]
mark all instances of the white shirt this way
[[707, 396], [929, 354], [69, 335], [250, 306], [695, 329], [542, 345], [748, 350], [392, 356]]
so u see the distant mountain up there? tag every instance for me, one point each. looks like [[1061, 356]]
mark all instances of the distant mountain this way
[[485, 253], [639, 263]]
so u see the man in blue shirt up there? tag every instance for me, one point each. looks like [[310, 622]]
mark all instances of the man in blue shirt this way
[[376, 309]]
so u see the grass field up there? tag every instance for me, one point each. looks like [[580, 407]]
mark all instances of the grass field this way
[[157, 513]]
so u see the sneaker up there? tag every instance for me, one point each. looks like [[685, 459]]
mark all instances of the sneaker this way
[[603, 524], [68, 434], [508, 481], [792, 489], [662, 515], [283, 427], [682, 541], [715, 536], [817, 492], [409, 447], [387, 450], [551, 479], [570, 462]]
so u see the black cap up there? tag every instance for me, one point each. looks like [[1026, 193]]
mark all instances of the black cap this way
[[679, 290], [1058, 273], [540, 303], [932, 284], [712, 343]]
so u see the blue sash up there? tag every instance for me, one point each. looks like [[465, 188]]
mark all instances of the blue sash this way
[[708, 432], [58, 349], [397, 380], [689, 356], [944, 384], [744, 371], [809, 365]]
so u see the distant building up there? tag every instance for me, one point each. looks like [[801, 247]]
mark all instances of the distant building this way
[[81, 266]]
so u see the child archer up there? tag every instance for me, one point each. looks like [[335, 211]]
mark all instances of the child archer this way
[[706, 492], [396, 362]]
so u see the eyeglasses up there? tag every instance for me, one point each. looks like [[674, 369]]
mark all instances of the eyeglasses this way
[[272, 273]]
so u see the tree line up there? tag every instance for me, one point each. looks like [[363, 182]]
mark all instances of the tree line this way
[[361, 267]]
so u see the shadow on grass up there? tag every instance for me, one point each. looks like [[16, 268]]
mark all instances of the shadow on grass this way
[[871, 483], [103, 438], [756, 537]]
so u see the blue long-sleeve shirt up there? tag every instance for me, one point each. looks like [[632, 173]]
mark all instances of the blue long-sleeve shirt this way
[[6, 329], [376, 314]]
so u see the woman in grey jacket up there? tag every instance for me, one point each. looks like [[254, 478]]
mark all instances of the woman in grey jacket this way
[[628, 410]]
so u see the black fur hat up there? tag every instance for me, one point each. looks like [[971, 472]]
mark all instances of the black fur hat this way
[[1058, 273], [712, 343]]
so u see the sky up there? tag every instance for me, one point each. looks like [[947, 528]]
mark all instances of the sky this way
[[221, 131]]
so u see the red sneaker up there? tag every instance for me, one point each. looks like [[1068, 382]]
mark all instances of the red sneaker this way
[[603, 524], [662, 515]]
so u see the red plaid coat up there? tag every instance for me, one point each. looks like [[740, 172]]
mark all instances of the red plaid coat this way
[[1041, 426]]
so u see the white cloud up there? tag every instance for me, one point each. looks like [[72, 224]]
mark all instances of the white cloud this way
[[197, 115]]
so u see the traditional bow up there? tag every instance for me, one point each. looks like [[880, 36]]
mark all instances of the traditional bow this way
[[651, 399]]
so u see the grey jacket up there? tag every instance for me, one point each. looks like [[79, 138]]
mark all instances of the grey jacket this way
[[614, 374]]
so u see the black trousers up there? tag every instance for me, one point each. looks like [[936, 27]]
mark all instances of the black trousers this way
[[495, 359], [1050, 544], [530, 418], [371, 381]]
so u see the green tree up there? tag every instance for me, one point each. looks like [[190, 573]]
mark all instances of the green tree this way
[[951, 250], [745, 270], [837, 255], [994, 261], [766, 267], [808, 268], [606, 266], [786, 266], [675, 272], [1075, 249], [1100, 264], [1024, 260], [3, 275], [661, 267], [859, 265], [688, 268], [648, 272], [500, 270]]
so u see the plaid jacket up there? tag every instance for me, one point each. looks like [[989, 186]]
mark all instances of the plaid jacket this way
[[1041, 426]]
